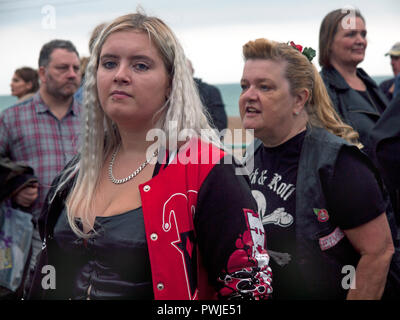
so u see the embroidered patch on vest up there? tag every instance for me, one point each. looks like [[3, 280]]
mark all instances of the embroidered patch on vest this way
[[322, 214], [331, 239]]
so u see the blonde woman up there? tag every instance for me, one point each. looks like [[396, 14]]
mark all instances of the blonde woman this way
[[182, 227], [321, 206]]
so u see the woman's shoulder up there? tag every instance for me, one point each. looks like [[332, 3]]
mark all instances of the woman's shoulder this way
[[65, 177], [322, 148], [333, 79], [198, 150], [325, 136], [365, 77], [26, 97]]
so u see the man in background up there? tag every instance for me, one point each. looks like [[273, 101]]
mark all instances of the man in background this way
[[78, 96], [42, 132], [212, 101], [388, 86]]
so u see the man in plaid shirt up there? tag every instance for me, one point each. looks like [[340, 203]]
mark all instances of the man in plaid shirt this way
[[43, 130]]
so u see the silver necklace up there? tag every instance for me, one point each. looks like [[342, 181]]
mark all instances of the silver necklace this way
[[133, 174]]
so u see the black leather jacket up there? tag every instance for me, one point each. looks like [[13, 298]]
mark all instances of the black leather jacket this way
[[14, 177], [351, 106]]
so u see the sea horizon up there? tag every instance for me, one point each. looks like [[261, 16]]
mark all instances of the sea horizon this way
[[230, 93]]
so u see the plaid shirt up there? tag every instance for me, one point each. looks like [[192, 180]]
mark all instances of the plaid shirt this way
[[30, 133]]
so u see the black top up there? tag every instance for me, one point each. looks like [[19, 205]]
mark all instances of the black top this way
[[371, 98], [353, 198], [114, 263], [273, 182], [118, 267]]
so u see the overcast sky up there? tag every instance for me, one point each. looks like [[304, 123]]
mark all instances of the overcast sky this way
[[212, 32]]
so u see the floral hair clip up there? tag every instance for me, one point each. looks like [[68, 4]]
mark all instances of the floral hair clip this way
[[308, 51]]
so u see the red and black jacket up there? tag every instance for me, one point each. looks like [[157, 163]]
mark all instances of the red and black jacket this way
[[204, 236]]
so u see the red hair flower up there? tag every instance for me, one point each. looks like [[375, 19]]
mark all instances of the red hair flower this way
[[297, 46], [308, 51]]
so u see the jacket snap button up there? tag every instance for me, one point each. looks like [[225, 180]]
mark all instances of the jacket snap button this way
[[160, 286], [146, 188], [154, 236]]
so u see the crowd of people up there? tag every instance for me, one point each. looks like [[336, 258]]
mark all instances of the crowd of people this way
[[119, 215]]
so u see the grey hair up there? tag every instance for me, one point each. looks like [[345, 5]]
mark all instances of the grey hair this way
[[100, 136], [49, 47]]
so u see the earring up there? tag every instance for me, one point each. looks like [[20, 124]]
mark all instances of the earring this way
[[297, 113]]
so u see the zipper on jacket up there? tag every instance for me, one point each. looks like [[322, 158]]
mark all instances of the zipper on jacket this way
[[89, 290]]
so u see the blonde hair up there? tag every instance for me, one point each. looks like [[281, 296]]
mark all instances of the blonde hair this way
[[100, 136], [302, 74]]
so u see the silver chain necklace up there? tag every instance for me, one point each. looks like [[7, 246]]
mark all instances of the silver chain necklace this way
[[133, 174]]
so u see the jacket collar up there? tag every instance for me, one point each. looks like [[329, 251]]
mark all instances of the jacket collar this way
[[336, 80]]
